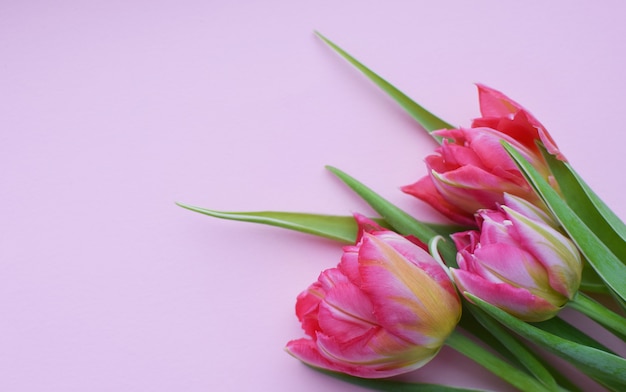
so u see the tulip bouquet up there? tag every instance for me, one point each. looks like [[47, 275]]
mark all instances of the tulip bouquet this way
[[527, 238]]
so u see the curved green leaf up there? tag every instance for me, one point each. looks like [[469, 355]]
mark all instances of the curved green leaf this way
[[521, 352], [392, 385], [598, 312], [588, 206], [606, 368], [336, 227], [339, 228], [604, 262], [494, 364], [426, 119], [401, 221], [558, 326], [591, 282]]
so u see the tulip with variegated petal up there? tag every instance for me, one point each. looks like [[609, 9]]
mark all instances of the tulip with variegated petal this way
[[518, 262], [471, 170], [386, 309]]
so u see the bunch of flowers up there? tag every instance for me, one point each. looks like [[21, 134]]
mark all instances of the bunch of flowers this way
[[534, 239]]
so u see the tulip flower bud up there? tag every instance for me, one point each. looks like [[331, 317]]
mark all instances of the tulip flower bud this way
[[386, 309], [472, 170], [518, 261]]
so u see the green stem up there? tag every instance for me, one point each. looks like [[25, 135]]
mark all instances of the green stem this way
[[521, 380], [599, 313]]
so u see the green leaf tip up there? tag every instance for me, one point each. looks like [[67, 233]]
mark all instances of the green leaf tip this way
[[426, 119], [334, 227]]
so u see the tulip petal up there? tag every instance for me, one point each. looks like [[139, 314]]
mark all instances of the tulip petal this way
[[519, 302], [349, 264], [407, 300], [504, 263], [376, 366], [466, 240], [493, 230], [486, 143], [307, 306], [495, 104], [529, 210], [456, 155], [346, 312], [306, 351], [376, 348], [426, 191], [556, 252], [471, 188]]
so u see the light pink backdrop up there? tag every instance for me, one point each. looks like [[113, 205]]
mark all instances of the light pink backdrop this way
[[111, 111]]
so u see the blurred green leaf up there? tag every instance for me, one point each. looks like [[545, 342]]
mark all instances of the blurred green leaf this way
[[392, 385]]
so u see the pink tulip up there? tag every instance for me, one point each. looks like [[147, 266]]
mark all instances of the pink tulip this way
[[518, 261], [472, 171], [386, 309], [501, 113]]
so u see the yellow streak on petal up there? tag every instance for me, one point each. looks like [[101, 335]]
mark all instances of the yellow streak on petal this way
[[437, 310]]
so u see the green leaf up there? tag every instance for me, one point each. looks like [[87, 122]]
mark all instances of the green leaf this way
[[604, 262], [335, 227], [445, 229], [392, 385], [606, 368], [426, 119], [558, 326], [340, 228], [598, 312], [520, 351], [494, 364], [588, 206], [401, 221], [591, 282]]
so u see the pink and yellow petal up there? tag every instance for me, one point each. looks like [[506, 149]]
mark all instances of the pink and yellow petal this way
[[518, 302], [406, 299]]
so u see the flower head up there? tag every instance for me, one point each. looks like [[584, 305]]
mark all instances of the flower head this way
[[472, 170], [518, 261], [386, 309]]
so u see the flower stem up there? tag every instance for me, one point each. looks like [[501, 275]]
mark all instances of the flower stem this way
[[519, 379], [596, 311]]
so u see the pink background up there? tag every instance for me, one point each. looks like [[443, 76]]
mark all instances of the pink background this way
[[111, 111]]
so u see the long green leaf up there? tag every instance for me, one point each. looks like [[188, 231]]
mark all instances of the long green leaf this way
[[495, 364], [335, 227], [426, 119], [401, 221], [588, 206], [606, 368], [558, 326], [591, 282], [603, 261], [339, 228], [520, 351], [598, 312], [392, 385]]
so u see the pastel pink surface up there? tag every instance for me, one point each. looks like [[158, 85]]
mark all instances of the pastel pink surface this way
[[111, 112]]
